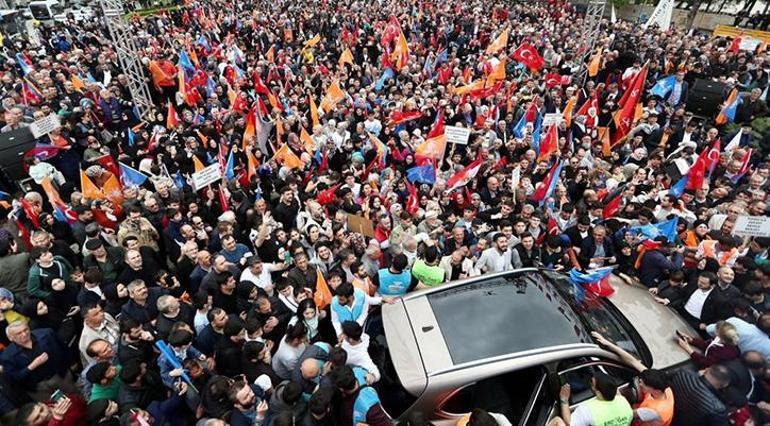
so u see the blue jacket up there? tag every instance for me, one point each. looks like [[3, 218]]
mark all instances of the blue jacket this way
[[15, 359], [654, 264], [166, 367]]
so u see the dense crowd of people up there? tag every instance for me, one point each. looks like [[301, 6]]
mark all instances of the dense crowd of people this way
[[133, 293]]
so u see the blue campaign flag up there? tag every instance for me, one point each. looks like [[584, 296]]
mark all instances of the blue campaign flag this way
[[168, 353], [664, 229], [386, 75], [518, 129], [185, 62], [678, 188], [203, 41], [589, 277], [536, 133], [230, 167], [131, 137], [211, 87], [729, 112], [22, 61], [663, 86], [441, 58], [179, 181], [423, 174], [131, 176]]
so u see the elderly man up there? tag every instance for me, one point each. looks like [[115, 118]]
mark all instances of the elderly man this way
[[171, 312], [457, 266], [97, 324], [36, 361]]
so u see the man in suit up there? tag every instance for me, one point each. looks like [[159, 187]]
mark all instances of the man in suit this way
[[703, 304], [596, 250], [678, 96]]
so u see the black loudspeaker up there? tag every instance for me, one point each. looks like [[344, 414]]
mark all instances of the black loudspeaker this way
[[705, 97], [13, 146]]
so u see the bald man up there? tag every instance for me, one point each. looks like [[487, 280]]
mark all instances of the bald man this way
[[312, 366]]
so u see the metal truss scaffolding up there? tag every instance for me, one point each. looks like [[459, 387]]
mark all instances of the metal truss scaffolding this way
[[128, 55], [591, 25]]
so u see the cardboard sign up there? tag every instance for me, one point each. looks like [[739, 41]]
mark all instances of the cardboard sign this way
[[754, 226], [459, 135], [361, 225], [45, 125], [206, 176], [552, 118]]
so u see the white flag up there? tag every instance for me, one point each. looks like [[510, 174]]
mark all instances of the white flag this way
[[735, 143], [661, 15], [613, 18], [515, 180]]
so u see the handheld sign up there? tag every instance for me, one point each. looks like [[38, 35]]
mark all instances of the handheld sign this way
[[457, 135]]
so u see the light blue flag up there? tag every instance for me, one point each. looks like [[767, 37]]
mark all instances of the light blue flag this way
[[664, 229], [386, 75], [678, 188], [130, 176], [663, 86], [423, 174]]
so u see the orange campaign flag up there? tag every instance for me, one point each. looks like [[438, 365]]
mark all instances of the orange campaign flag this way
[[313, 111], [251, 127], [323, 295], [51, 192], [253, 164], [346, 57], [271, 55], [274, 101], [88, 188], [313, 41], [113, 192], [400, 54], [172, 119], [498, 73], [286, 157], [432, 148], [470, 87], [304, 136], [198, 164], [568, 110], [604, 136], [278, 129], [595, 64], [232, 95], [500, 42], [639, 112], [159, 77], [77, 83], [333, 96], [203, 137]]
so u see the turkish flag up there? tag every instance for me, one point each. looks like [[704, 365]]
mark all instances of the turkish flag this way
[[527, 55], [552, 80]]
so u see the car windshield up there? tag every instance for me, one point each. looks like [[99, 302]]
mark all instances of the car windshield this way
[[597, 314]]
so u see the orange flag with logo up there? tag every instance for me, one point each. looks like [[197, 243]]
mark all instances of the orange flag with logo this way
[[253, 163], [288, 158], [323, 295], [313, 111], [346, 57], [595, 64], [88, 188], [113, 192], [313, 41], [568, 110], [198, 164], [271, 55], [304, 136], [432, 148], [77, 83], [400, 55], [500, 42], [462, 90], [251, 127], [497, 74], [51, 192], [333, 96], [172, 119], [604, 136]]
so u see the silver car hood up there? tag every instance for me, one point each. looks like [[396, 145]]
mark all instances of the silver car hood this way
[[655, 323]]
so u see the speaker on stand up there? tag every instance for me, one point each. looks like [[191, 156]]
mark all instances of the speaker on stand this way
[[705, 97]]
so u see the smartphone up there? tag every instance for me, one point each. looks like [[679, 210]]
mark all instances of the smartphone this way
[[680, 335], [57, 395]]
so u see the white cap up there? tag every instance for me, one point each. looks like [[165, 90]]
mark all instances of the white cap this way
[[264, 382]]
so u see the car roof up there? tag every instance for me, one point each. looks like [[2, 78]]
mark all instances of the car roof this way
[[444, 323]]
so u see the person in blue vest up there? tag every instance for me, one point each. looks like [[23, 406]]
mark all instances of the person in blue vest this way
[[360, 404], [311, 367], [396, 280], [352, 304]]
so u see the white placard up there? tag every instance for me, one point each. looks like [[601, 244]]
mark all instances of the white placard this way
[[45, 125], [459, 135], [206, 176], [748, 43], [552, 118], [755, 226]]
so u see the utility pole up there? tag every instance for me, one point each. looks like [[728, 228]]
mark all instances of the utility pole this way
[[591, 26]]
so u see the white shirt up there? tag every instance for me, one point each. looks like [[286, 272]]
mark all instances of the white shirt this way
[[263, 280], [286, 359], [492, 260], [358, 355], [201, 321], [694, 305]]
